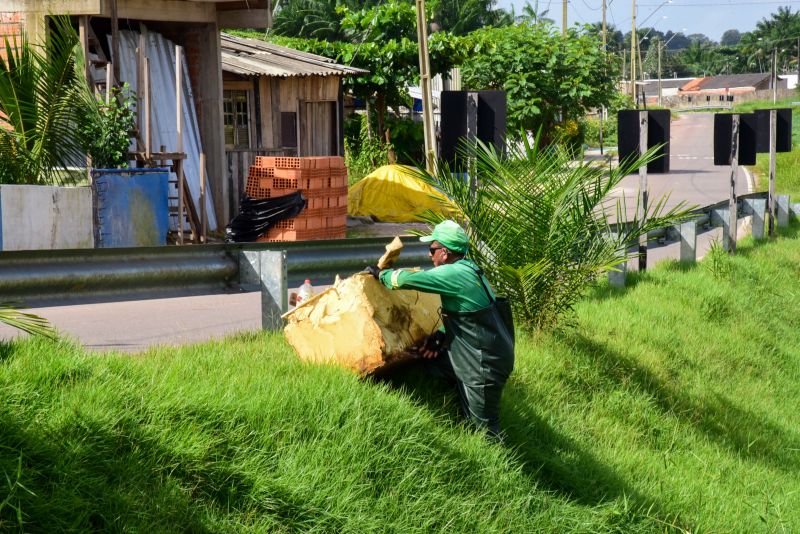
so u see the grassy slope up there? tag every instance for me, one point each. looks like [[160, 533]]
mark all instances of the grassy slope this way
[[671, 403], [787, 164]]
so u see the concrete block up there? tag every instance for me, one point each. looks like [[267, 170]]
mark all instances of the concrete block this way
[[41, 217], [265, 271], [721, 218], [688, 236], [757, 207], [782, 206], [274, 291], [617, 278]]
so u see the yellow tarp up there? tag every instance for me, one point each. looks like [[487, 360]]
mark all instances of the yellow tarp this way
[[393, 193]]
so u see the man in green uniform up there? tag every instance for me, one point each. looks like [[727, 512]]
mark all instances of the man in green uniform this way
[[476, 349]]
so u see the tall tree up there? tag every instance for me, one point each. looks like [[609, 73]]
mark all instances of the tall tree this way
[[731, 38], [546, 76]]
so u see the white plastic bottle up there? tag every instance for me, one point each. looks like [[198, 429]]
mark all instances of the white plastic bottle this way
[[305, 292]]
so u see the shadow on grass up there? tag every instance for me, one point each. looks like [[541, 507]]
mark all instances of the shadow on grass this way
[[739, 430], [101, 477], [7, 349], [553, 461]]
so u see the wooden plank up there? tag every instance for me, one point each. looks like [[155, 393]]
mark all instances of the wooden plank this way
[[266, 112], [732, 215], [179, 130], [773, 120], [275, 109], [643, 123], [245, 18], [83, 31], [237, 85], [114, 38], [167, 11], [203, 216]]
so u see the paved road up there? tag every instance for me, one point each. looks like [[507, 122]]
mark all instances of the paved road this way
[[133, 326]]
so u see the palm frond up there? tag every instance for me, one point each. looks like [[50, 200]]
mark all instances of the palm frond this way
[[538, 221], [27, 322]]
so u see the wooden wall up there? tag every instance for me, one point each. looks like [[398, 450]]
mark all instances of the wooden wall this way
[[290, 95]]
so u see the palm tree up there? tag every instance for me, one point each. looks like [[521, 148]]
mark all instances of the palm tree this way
[[27, 322], [539, 224], [43, 96]]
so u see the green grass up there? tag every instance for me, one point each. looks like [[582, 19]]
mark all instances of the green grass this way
[[668, 406], [787, 164]]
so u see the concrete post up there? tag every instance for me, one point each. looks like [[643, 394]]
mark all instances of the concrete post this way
[[758, 209], [617, 278], [265, 270], [688, 233], [794, 211], [721, 217], [783, 210]]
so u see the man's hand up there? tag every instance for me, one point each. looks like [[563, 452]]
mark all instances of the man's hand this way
[[374, 270], [433, 345]]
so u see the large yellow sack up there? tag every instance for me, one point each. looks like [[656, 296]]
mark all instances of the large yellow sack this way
[[393, 193], [361, 325]]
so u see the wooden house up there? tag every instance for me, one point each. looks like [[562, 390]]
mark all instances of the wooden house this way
[[279, 101], [192, 24]]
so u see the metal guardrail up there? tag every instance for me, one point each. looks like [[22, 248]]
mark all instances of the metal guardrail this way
[[91, 273], [120, 272]]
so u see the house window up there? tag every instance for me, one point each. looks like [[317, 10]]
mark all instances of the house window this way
[[236, 114], [288, 129]]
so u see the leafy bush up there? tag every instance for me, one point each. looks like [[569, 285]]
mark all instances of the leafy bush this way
[[104, 133], [591, 130], [538, 224], [363, 154]]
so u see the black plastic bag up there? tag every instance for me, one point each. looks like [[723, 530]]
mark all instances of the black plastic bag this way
[[256, 216]]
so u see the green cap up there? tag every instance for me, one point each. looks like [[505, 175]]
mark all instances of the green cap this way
[[450, 235]]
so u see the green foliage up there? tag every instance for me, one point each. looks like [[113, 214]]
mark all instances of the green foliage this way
[[42, 97], [461, 17], [105, 133], [545, 75], [621, 424], [538, 224], [787, 164], [27, 322], [591, 126], [364, 154]]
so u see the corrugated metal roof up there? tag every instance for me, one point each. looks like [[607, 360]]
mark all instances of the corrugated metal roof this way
[[729, 81], [251, 57]]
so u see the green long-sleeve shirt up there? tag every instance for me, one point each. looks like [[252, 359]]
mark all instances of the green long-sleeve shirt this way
[[457, 283]]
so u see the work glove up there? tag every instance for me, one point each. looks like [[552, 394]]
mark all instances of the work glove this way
[[434, 345], [374, 270]]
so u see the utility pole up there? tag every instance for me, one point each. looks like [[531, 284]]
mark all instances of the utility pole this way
[[634, 38], [774, 79], [564, 18], [605, 52], [425, 85], [605, 47], [659, 71]]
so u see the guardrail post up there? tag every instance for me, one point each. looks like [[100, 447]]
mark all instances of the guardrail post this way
[[794, 211], [758, 209], [617, 278], [783, 210], [266, 271], [721, 217], [688, 233]]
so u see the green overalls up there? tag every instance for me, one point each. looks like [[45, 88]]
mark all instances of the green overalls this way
[[481, 350]]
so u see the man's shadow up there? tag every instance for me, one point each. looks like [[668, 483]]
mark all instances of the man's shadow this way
[[552, 460]]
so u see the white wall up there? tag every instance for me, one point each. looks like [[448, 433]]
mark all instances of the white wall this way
[[39, 217]]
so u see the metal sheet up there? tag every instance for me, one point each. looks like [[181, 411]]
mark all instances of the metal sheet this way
[[161, 52], [131, 207]]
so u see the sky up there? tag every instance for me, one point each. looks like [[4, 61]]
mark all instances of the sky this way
[[709, 17]]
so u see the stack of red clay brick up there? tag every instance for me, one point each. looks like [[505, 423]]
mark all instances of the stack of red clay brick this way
[[323, 181]]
